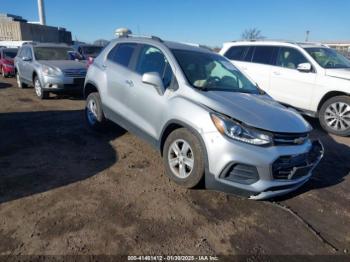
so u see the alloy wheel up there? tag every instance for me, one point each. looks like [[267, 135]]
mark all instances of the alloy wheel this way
[[92, 112], [37, 88], [180, 158], [337, 116]]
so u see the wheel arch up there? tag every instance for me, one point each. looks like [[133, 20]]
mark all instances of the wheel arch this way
[[328, 96], [89, 88], [171, 126], [34, 74]]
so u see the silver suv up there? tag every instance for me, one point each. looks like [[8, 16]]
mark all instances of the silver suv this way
[[49, 68], [207, 119]]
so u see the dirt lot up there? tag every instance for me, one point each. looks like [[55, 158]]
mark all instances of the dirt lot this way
[[67, 190]]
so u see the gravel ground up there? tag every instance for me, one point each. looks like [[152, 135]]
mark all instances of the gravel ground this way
[[65, 189]]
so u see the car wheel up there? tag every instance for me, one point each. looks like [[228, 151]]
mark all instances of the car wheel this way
[[93, 111], [39, 90], [19, 82], [183, 157], [334, 115]]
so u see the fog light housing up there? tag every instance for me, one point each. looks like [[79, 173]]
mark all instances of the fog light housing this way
[[241, 173]]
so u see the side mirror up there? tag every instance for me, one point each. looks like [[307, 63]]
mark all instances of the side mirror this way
[[304, 67], [26, 59], [154, 79]]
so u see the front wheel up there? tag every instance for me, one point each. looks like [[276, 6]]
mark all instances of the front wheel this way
[[93, 112], [334, 115], [19, 82], [183, 157], [39, 90]]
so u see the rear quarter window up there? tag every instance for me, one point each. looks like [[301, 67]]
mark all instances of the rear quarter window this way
[[236, 52], [122, 53]]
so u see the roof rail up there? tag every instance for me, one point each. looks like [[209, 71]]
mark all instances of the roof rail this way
[[144, 36]]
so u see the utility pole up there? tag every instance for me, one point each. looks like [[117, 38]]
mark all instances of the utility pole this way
[[307, 35], [41, 10]]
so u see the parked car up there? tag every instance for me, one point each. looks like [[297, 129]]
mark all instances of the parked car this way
[[49, 69], [312, 78], [88, 51], [6, 61], [208, 120]]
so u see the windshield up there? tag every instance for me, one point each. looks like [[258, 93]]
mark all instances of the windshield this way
[[52, 53], [10, 53], [91, 49], [328, 58], [208, 71]]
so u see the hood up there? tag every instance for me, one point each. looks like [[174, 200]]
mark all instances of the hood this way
[[64, 64], [343, 73], [258, 111]]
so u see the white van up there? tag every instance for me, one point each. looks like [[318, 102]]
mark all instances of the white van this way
[[310, 77]]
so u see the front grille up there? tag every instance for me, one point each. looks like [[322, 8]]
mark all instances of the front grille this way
[[241, 173], [290, 138], [75, 72], [296, 166]]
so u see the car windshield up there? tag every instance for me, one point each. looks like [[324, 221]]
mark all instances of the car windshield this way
[[92, 49], [52, 53], [211, 72], [10, 53], [328, 58]]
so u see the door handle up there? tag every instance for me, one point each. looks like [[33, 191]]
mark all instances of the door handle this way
[[244, 68], [130, 83], [276, 73], [104, 67]]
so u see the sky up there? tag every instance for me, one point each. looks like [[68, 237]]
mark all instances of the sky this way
[[209, 22]]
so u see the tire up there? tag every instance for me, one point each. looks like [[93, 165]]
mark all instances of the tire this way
[[93, 112], [39, 90], [20, 84], [178, 166], [334, 115]]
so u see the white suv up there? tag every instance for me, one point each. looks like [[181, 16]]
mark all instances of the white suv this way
[[312, 78]]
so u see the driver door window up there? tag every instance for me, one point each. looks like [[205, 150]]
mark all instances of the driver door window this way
[[290, 58], [151, 59]]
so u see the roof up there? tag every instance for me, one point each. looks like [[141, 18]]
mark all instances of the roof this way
[[46, 44], [275, 42], [169, 44]]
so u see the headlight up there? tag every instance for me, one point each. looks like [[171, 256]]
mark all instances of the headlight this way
[[234, 130], [50, 71]]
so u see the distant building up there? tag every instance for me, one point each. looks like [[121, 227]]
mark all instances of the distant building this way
[[15, 28], [341, 46]]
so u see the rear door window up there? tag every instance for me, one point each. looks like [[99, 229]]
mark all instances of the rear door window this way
[[237, 52], [264, 54], [122, 53]]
